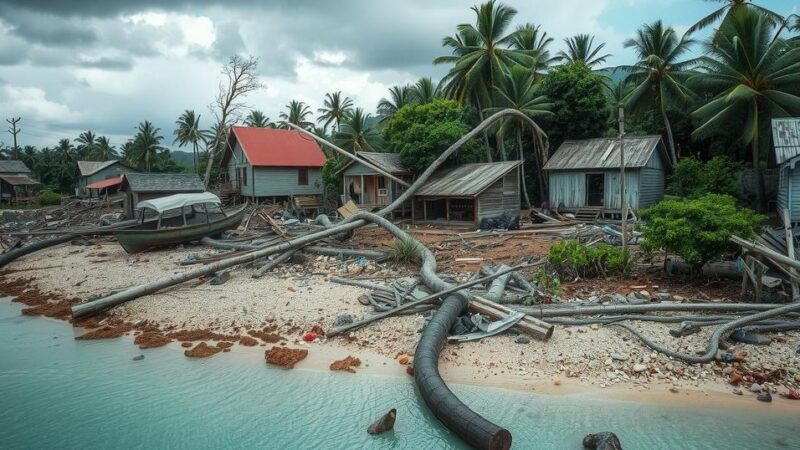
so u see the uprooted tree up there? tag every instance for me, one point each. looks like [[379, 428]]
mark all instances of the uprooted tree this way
[[239, 79]]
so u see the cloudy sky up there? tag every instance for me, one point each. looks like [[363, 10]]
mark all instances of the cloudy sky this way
[[105, 65]]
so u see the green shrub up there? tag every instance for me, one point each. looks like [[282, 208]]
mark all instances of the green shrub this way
[[692, 178], [48, 197], [573, 259], [546, 281], [698, 230], [406, 252]]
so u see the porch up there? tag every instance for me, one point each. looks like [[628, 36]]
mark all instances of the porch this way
[[450, 211]]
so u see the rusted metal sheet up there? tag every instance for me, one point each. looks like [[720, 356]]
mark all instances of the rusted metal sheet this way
[[468, 180], [603, 153], [786, 138]]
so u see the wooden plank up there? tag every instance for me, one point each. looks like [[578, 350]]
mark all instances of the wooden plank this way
[[790, 252], [348, 210]]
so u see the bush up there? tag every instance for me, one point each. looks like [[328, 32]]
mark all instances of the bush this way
[[406, 252], [573, 259], [698, 230], [692, 178], [48, 197]]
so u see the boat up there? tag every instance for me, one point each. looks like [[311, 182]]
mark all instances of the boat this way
[[176, 219]]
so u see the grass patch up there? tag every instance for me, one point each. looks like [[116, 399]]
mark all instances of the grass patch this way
[[406, 252]]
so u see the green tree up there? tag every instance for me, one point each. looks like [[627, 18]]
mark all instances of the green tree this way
[[297, 113], [534, 42], [188, 131], [581, 48], [147, 145], [420, 133], [335, 108], [86, 144], [356, 135], [659, 76], [257, 119], [516, 91], [693, 178], [399, 96], [104, 150], [579, 103], [756, 76], [729, 9], [424, 90]]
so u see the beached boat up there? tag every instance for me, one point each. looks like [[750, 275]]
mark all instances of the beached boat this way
[[177, 218]]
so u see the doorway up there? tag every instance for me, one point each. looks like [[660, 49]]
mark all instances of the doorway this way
[[595, 189]]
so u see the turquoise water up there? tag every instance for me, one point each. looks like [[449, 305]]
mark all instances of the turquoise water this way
[[56, 392]]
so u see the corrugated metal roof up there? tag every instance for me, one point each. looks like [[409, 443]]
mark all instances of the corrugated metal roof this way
[[389, 162], [268, 147], [603, 153], [87, 168], [18, 180], [786, 138], [105, 183], [164, 182], [13, 166], [468, 180]]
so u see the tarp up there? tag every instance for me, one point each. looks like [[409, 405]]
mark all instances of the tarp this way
[[178, 201], [105, 183]]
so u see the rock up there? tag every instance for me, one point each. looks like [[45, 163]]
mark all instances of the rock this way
[[383, 424], [755, 388], [557, 381], [138, 358], [343, 319], [765, 397], [618, 357], [220, 278], [737, 391], [299, 258], [639, 368], [595, 327], [663, 296], [673, 389], [522, 339], [602, 441]]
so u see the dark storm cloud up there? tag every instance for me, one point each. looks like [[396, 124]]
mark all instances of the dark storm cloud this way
[[107, 64], [46, 29]]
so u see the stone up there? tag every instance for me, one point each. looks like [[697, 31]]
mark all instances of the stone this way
[[343, 319], [220, 278], [673, 389], [383, 424], [138, 358], [639, 368], [765, 397], [595, 327], [737, 391], [522, 339], [619, 357], [755, 388]]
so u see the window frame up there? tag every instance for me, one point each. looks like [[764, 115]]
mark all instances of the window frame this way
[[302, 176]]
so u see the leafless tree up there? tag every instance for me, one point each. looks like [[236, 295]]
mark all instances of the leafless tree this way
[[239, 78]]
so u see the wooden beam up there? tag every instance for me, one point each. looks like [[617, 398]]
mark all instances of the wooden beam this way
[[787, 226]]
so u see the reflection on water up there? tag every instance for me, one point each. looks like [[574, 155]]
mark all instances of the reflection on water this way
[[58, 392]]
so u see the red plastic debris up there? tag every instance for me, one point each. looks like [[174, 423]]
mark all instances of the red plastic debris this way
[[792, 395], [309, 337]]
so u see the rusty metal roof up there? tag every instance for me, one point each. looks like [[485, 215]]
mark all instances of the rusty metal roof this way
[[603, 153], [468, 180], [786, 138], [13, 166]]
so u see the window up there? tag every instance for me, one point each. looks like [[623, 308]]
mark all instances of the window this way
[[302, 177], [381, 182]]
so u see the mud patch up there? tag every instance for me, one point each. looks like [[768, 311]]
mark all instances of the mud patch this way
[[265, 335], [106, 332], [201, 335], [348, 364], [285, 357], [224, 344], [247, 341], [202, 350], [151, 339]]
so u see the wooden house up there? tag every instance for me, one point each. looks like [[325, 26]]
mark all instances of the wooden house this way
[[481, 195], [786, 142], [16, 185], [138, 187], [262, 163], [369, 189], [96, 177], [585, 175]]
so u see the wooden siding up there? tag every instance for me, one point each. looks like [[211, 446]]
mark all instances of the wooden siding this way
[[568, 188], [651, 187], [359, 169], [271, 181], [611, 198], [112, 171], [501, 197], [793, 199], [783, 189]]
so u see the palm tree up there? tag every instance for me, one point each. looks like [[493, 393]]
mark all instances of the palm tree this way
[[399, 96], [147, 144], [127, 151], [334, 109], [257, 119], [188, 131], [756, 76], [104, 150], [65, 149], [356, 134], [729, 9], [517, 91], [86, 143], [659, 77], [534, 42], [424, 91], [581, 48], [298, 114]]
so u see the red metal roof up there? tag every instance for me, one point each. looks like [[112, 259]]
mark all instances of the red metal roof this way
[[278, 148], [105, 183]]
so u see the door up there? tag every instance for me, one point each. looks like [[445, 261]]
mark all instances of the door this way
[[595, 189]]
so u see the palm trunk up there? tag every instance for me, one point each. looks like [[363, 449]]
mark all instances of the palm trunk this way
[[758, 182], [522, 171], [211, 153], [194, 155], [501, 145], [672, 155], [485, 135], [538, 164]]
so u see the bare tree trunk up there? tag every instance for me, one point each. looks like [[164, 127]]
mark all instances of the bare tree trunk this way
[[212, 152], [485, 135], [539, 164], [672, 155], [522, 171]]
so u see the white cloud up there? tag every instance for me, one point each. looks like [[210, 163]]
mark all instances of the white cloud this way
[[31, 102]]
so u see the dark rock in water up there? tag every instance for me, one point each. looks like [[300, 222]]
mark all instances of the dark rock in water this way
[[749, 337], [138, 358], [383, 424], [522, 339], [602, 441], [343, 319], [765, 397], [220, 278]]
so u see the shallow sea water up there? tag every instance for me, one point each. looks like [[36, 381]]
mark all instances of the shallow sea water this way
[[56, 392]]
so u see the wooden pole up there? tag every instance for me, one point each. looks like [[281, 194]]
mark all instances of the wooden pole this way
[[787, 225], [622, 203]]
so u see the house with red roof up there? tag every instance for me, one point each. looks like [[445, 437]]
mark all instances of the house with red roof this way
[[271, 163]]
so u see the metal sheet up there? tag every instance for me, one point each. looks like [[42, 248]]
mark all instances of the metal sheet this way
[[786, 138], [603, 153], [468, 180]]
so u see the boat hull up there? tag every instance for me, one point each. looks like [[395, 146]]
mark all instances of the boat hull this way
[[139, 240]]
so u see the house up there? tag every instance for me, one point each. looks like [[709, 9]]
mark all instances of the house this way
[[368, 188], [138, 187], [585, 175], [269, 163], [16, 185], [481, 195], [786, 140], [96, 173]]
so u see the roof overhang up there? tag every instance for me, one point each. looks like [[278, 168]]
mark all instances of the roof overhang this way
[[105, 183]]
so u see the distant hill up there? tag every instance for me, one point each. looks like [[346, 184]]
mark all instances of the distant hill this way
[[183, 158]]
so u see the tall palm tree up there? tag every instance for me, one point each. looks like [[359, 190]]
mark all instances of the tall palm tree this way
[[127, 151], [581, 48], [297, 113], [104, 150], [356, 134], [257, 119], [86, 143], [188, 131], [335, 108], [424, 91], [534, 42], [659, 76], [66, 150], [399, 96], [147, 144], [756, 76], [517, 91], [729, 9]]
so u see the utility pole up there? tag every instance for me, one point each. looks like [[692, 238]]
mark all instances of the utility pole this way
[[14, 131], [622, 203]]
